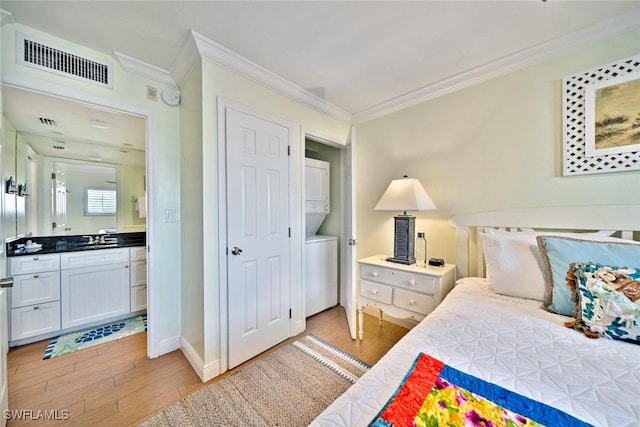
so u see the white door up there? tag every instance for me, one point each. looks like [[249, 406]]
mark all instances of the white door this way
[[4, 315], [59, 224], [258, 221], [349, 271]]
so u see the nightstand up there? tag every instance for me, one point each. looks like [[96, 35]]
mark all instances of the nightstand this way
[[402, 291]]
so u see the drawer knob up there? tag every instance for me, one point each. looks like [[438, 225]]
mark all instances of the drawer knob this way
[[412, 282], [35, 307], [35, 276], [374, 273], [412, 302], [35, 258], [374, 292]]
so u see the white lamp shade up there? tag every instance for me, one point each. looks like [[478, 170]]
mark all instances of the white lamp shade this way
[[405, 194]]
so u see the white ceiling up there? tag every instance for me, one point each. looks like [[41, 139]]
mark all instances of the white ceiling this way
[[66, 130], [358, 55]]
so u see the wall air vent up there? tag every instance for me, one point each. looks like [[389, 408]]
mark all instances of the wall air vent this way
[[44, 56]]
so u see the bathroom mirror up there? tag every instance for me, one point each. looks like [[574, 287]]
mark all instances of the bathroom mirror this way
[[58, 154]]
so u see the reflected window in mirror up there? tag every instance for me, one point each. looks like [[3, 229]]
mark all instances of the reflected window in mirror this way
[[100, 201]]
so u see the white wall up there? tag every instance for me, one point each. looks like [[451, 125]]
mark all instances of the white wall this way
[[191, 196], [131, 180], [128, 94], [494, 145]]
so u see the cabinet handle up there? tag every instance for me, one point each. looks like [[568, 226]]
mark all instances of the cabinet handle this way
[[126, 266], [374, 292], [412, 302], [35, 307], [412, 282], [374, 274], [35, 276], [35, 258]]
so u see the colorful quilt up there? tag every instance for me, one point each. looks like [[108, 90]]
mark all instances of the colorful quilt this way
[[434, 394]]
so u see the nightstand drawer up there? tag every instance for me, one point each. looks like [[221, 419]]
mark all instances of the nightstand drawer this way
[[415, 282], [376, 291], [423, 304], [370, 272]]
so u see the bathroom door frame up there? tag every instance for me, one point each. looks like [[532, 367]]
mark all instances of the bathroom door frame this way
[[154, 345]]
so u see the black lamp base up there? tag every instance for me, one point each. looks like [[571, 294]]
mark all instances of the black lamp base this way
[[404, 240], [401, 261]]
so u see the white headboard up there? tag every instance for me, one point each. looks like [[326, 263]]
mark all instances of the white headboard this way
[[606, 218]]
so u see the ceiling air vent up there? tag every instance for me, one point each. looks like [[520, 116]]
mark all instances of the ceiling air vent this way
[[47, 122], [44, 56]]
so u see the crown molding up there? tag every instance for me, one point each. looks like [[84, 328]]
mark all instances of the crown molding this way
[[143, 69], [5, 17], [504, 65], [227, 58], [187, 58]]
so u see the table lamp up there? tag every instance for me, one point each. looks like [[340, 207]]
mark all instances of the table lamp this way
[[405, 194]]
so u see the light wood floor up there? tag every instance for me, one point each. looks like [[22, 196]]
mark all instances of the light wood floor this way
[[115, 384]]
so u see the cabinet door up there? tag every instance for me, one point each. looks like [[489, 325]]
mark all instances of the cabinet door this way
[[138, 273], [93, 257], [34, 263], [30, 289], [138, 298], [94, 293], [138, 253], [35, 320]]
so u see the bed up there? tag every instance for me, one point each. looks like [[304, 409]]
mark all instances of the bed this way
[[488, 340]]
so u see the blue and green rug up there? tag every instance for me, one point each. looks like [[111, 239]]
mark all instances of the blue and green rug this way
[[74, 341]]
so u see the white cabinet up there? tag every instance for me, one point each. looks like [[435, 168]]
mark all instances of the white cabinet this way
[[94, 285], [35, 296], [34, 263], [35, 288], [94, 293], [402, 291], [59, 293], [34, 320], [138, 278]]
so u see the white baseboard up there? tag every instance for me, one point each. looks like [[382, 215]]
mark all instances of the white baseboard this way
[[168, 345], [204, 372]]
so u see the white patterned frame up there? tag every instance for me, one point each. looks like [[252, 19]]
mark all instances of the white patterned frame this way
[[575, 161]]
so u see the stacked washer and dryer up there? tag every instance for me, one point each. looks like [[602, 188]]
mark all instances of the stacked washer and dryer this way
[[321, 255]]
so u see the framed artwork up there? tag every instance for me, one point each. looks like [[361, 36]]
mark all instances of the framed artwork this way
[[613, 116], [601, 120]]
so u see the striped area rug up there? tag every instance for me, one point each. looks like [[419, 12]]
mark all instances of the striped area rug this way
[[287, 387]]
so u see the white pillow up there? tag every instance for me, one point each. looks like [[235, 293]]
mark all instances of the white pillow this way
[[514, 265]]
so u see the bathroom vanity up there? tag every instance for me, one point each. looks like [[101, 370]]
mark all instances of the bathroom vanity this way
[[70, 284]]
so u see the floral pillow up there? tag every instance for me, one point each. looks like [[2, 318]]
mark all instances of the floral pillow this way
[[607, 300]]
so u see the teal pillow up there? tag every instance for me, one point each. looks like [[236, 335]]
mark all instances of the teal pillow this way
[[559, 252]]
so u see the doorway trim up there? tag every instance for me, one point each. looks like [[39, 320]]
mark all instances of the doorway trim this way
[[340, 145], [154, 346]]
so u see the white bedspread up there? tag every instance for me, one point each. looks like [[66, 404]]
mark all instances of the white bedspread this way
[[513, 343]]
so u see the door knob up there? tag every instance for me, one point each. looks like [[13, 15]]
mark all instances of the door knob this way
[[236, 251]]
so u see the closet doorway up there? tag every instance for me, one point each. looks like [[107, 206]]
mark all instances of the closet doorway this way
[[338, 223]]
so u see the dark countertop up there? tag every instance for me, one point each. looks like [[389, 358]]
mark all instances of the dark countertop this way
[[56, 244]]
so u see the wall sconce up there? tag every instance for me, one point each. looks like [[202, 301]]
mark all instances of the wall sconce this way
[[405, 194]]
